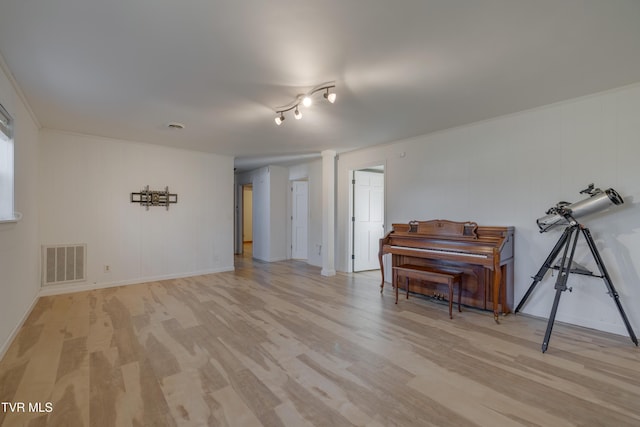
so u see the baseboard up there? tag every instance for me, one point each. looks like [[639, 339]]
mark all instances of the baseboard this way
[[14, 333], [76, 287], [608, 328], [327, 272]]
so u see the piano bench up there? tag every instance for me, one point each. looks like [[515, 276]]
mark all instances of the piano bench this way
[[429, 274]]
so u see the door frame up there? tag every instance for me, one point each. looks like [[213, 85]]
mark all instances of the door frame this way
[[350, 228]]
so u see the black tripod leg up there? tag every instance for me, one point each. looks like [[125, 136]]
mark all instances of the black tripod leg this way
[[545, 266], [609, 283], [561, 282], [552, 318]]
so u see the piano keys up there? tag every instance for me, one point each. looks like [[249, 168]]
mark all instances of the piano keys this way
[[483, 254]]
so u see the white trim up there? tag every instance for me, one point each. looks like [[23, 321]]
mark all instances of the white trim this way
[[14, 333], [327, 272], [276, 259], [71, 288], [349, 237], [329, 168], [17, 216]]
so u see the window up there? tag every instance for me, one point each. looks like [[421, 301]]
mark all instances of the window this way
[[6, 167]]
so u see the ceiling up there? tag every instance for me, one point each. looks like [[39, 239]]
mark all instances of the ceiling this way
[[126, 68]]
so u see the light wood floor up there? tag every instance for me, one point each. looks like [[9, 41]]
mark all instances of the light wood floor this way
[[279, 345]]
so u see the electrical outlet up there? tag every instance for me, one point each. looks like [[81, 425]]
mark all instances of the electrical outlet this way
[[107, 268]]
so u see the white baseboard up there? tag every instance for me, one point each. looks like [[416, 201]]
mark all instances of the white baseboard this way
[[328, 273], [5, 345], [79, 287]]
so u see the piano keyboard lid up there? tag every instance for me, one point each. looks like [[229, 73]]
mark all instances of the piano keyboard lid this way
[[458, 252]]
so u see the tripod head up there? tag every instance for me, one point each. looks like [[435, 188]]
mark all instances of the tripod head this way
[[565, 213]]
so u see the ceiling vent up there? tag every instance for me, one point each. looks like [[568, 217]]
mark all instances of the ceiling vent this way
[[175, 125]]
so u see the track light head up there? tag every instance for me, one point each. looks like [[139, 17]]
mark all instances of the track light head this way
[[307, 101], [280, 118], [331, 97], [297, 114]]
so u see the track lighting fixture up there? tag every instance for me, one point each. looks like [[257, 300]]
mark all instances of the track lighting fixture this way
[[305, 100]]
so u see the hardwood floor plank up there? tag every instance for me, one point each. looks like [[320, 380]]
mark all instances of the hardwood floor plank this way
[[228, 409], [163, 362], [315, 411], [67, 412], [106, 383], [74, 352], [10, 379], [27, 338]]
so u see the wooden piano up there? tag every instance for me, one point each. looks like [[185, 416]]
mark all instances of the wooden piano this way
[[484, 255]]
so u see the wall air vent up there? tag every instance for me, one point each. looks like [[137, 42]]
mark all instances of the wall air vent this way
[[64, 264]]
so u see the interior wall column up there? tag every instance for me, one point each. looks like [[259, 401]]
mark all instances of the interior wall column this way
[[328, 212]]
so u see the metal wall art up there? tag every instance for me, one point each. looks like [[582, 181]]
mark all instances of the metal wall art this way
[[148, 198]]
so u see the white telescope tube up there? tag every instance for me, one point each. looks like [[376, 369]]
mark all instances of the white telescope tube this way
[[598, 201]]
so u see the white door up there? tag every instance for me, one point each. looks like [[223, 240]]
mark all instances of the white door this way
[[299, 219], [368, 219]]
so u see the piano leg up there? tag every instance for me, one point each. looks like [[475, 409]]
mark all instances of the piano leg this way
[[396, 294], [381, 268], [451, 299], [497, 282], [398, 287], [395, 281]]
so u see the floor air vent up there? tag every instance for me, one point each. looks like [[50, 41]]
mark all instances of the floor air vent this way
[[64, 264]]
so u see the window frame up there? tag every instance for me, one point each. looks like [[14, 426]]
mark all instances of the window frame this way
[[7, 168]]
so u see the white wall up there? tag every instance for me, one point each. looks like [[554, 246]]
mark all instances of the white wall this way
[[261, 213], [19, 248], [85, 198], [279, 188], [269, 211], [509, 171]]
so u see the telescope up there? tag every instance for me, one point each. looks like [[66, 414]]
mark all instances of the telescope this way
[[564, 213], [564, 251]]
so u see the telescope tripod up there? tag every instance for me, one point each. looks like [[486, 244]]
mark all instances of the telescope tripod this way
[[567, 244]]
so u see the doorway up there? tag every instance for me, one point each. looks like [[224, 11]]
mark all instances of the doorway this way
[[247, 218], [368, 217]]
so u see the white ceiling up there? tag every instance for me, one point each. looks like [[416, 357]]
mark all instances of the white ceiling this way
[[125, 68]]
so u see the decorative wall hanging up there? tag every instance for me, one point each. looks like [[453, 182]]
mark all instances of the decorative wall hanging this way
[[148, 198]]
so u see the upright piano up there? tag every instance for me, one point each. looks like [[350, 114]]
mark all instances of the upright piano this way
[[483, 254]]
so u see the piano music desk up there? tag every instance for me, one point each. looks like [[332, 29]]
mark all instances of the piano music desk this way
[[427, 274]]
